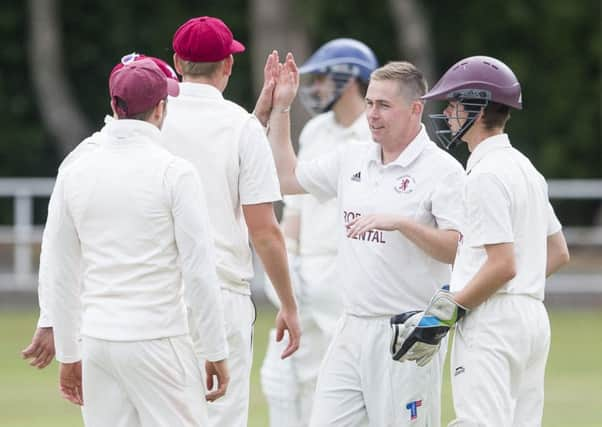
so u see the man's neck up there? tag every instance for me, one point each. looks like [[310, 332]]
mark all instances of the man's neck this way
[[211, 81], [477, 135], [390, 152]]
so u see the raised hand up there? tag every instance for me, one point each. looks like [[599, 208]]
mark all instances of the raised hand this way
[[263, 107], [287, 84]]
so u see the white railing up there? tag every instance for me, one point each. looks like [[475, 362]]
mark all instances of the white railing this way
[[24, 235]]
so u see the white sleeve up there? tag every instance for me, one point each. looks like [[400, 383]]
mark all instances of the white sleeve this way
[[446, 201], [258, 180], [197, 259], [320, 176], [488, 208], [63, 253], [554, 225], [44, 320]]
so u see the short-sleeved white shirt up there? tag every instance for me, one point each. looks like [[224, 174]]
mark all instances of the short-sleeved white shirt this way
[[382, 272], [505, 201], [232, 155], [322, 134]]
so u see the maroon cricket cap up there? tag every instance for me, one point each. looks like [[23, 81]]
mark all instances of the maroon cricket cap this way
[[140, 85], [131, 57], [205, 39]]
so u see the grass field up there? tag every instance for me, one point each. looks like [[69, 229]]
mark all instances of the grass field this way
[[29, 398]]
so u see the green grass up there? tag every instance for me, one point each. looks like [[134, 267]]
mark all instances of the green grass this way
[[29, 397]]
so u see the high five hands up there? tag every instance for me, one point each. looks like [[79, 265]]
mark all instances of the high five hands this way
[[280, 85]]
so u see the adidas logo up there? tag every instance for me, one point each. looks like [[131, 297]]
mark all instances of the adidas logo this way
[[356, 177]]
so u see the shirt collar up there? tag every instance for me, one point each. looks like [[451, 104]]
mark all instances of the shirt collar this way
[[123, 129], [486, 146], [199, 90], [408, 155]]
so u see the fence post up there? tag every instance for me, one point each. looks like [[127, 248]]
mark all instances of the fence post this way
[[23, 209]]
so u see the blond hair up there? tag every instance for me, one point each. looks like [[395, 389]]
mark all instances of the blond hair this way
[[410, 79]]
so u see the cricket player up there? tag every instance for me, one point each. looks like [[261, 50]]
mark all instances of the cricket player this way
[[511, 242], [41, 349], [230, 151], [334, 82], [128, 231], [398, 207]]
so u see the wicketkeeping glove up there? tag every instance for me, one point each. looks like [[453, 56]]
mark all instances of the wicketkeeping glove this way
[[417, 335]]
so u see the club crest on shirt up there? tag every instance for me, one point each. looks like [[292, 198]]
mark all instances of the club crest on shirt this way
[[357, 177], [405, 184]]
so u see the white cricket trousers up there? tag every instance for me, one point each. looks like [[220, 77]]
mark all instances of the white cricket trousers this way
[[498, 363], [289, 384], [359, 384], [232, 410], [152, 383]]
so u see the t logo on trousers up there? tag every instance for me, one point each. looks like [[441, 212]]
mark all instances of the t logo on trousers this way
[[413, 408]]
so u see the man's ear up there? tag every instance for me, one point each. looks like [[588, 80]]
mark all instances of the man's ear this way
[[228, 65], [176, 64]]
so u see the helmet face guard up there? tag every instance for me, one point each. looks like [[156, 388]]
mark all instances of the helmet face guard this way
[[473, 102], [318, 91], [327, 72]]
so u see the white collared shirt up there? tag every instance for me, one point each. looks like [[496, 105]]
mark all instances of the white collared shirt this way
[[130, 213], [382, 272], [318, 219], [232, 155], [505, 201]]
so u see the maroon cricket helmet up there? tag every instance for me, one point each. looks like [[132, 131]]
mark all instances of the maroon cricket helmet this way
[[479, 77]]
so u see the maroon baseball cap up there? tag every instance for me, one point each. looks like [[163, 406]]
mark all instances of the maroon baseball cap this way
[[205, 39], [138, 86], [131, 57]]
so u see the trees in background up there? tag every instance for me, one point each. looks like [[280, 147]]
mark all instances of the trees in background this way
[[52, 93]]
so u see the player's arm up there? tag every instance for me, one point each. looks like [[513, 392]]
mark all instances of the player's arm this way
[[439, 244], [557, 253], [41, 349], [201, 290], [64, 291], [268, 242], [263, 107], [557, 250], [280, 133], [497, 270]]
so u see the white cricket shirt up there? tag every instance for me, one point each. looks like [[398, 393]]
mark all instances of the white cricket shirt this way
[[383, 273], [232, 155], [130, 213], [87, 145], [505, 201], [318, 219]]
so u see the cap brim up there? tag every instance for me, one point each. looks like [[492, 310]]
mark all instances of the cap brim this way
[[237, 47], [173, 87]]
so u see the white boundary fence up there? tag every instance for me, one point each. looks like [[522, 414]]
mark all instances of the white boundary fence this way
[[24, 235]]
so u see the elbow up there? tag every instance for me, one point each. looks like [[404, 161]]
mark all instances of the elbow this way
[[508, 270], [565, 257]]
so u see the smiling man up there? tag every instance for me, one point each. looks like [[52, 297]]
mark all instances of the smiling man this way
[[399, 210]]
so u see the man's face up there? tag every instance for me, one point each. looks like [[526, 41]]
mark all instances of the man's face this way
[[388, 113], [456, 116]]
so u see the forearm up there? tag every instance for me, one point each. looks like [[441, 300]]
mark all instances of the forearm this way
[[269, 245], [492, 275], [439, 244], [282, 150], [557, 253]]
